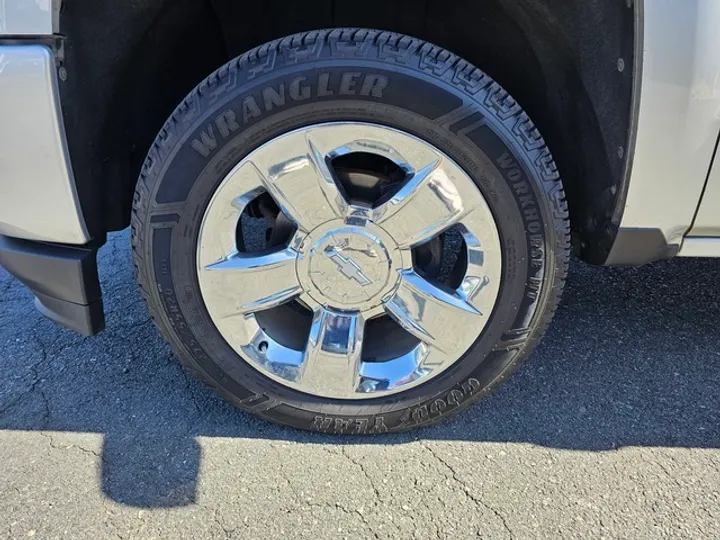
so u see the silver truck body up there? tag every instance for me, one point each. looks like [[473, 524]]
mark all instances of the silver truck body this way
[[673, 187]]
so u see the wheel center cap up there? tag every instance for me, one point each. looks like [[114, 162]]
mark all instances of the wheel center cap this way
[[348, 267]]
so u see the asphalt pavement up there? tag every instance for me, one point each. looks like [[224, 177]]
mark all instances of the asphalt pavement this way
[[611, 430]]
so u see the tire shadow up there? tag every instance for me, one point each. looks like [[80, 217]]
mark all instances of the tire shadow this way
[[632, 359]]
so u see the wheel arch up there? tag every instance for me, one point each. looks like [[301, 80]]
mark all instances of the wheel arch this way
[[578, 89]]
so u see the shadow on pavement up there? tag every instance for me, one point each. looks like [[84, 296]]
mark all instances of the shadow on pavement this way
[[632, 359]]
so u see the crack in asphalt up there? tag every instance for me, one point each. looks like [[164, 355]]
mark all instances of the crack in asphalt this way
[[468, 492], [336, 505], [54, 445], [33, 387], [35, 369], [190, 385], [434, 518], [361, 466], [343, 451], [218, 521]]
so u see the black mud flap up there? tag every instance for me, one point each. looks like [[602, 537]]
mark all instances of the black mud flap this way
[[64, 280]]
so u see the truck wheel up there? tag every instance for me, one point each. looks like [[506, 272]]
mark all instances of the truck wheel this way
[[350, 231]]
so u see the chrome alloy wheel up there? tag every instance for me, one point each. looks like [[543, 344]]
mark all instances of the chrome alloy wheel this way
[[349, 262]]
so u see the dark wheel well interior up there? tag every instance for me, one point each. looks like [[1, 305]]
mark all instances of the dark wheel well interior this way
[[569, 64]]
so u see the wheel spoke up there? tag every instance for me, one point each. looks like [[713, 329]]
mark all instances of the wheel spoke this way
[[248, 283], [424, 207], [296, 174], [332, 356], [441, 319]]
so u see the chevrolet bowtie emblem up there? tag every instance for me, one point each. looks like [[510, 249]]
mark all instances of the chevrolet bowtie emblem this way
[[348, 268]]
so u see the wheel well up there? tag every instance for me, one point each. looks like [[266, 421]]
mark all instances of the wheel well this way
[[569, 64]]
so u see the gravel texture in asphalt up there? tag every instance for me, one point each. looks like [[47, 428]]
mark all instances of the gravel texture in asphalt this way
[[611, 430]]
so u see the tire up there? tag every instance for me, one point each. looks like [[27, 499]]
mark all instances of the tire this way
[[427, 92]]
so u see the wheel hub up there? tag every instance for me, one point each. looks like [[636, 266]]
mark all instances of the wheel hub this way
[[349, 267]]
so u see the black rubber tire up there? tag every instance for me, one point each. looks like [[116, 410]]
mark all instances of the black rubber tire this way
[[424, 90]]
